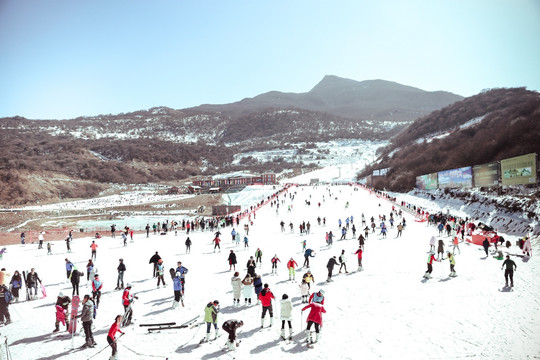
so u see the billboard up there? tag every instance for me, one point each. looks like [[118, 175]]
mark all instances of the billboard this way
[[486, 174], [456, 178], [426, 182], [519, 170]]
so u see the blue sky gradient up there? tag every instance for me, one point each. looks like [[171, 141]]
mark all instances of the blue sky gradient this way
[[62, 58]]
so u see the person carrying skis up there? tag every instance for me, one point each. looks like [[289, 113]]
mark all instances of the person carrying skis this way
[[452, 261], [160, 272], [274, 262], [314, 317], [86, 318], [343, 262], [307, 254], [211, 318], [509, 271], [111, 336], [62, 313], [232, 260], [330, 266], [127, 300], [183, 271], [97, 285], [266, 297], [291, 264], [154, 260], [236, 283], [286, 315], [230, 327]]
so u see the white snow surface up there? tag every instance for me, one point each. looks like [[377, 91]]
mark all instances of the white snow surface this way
[[387, 311]]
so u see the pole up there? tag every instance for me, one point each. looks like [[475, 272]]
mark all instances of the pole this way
[[115, 340]]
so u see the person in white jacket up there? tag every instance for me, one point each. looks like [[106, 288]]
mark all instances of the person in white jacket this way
[[432, 243], [286, 315], [237, 288]]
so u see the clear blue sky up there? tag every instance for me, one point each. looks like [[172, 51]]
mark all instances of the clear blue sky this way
[[64, 58]]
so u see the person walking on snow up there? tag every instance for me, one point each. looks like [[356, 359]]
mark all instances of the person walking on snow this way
[[314, 318], [188, 245], [343, 262], [258, 257], [232, 260], [211, 319], [291, 264], [486, 244], [236, 283], [452, 261], [509, 271], [330, 266], [431, 259], [216, 242], [94, 247], [121, 269], [286, 315], [266, 297], [160, 272], [177, 288], [86, 318], [274, 261]]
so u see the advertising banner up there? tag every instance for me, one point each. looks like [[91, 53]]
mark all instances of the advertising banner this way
[[426, 182], [519, 170], [486, 174], [456, 178]]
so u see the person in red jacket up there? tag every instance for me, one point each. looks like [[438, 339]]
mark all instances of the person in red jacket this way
[[266, 297], [291, 264], [216, 242], [111, 337], [431, 259], [127, 299], [314, 317], [359, 253]]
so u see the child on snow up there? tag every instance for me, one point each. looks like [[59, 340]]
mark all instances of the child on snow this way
[[304, 291]]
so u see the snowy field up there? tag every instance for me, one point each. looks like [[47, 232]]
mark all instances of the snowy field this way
[[386, 311]]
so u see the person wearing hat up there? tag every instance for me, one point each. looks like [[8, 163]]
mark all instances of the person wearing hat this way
[[286, 315], [343, 262], [160, 271], [317, 297], [32, 279], [86, 318], [121, 269], [330, 266], [41, 239], [62, 313], [236, 283], [211, 318], [247, 290]]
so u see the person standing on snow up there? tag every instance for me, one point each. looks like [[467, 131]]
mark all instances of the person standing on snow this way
[[308, 277], [236, 283], [286, 315], [274, 262], [452, 261], [509, 271], [317, 297], [440, 249], [75, 278], [183, 271], [154, 260], [86, 318], [188, 245], [127, 299], [211, 318], [330, 266], [232, 260], [314, 317], [251, 266], [485, 244], [257, 284], [266, 297], [456, 245], [304, 291], [177, 288], [69, 268], [291, 264], [97, 285], [160, 272], [247, 290], [216, 242], [343, 262], [258, 257], [121, 269], [62, 313], [111, 336], [94, 247], [432, 243], [431, 259]]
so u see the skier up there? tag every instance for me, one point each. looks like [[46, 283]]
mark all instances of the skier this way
[[183, 271], [68, 242], [251, 266], [452, 264], [343, 262], [121, 269], [431, 259], [86, 318], [247, 290], [127, 300], [509, 271], [314, 317], [317, 297], [266, 297], [211, 318], [307, 254], [361, 241], [94, 247], [188, 245], [258, 257], [308, 278], [456, 245], [16, 284], [154, 260], [286, 315], [230, 327], [111, 336], [232, 260], [97, 285], [304, 291], [236, 283], [359, 252], [274, 261], [62, 313], [343, 234], [177, 288], [291, 264], [160, 271], [216, 242], [304, 243], [257, 284], [330, 266]]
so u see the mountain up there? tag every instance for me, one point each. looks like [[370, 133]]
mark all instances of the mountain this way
[[376, 100], [164, 144], [490, 126]]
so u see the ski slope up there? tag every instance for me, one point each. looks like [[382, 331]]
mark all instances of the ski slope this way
[[386, 311]]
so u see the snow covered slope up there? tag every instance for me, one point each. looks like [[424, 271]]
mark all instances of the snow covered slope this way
[[386, 311]]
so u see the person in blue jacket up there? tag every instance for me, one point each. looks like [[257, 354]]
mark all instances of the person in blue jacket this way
[[307, 254], [258, 285]]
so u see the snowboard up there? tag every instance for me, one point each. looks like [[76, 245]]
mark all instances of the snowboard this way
[[72, 329]]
